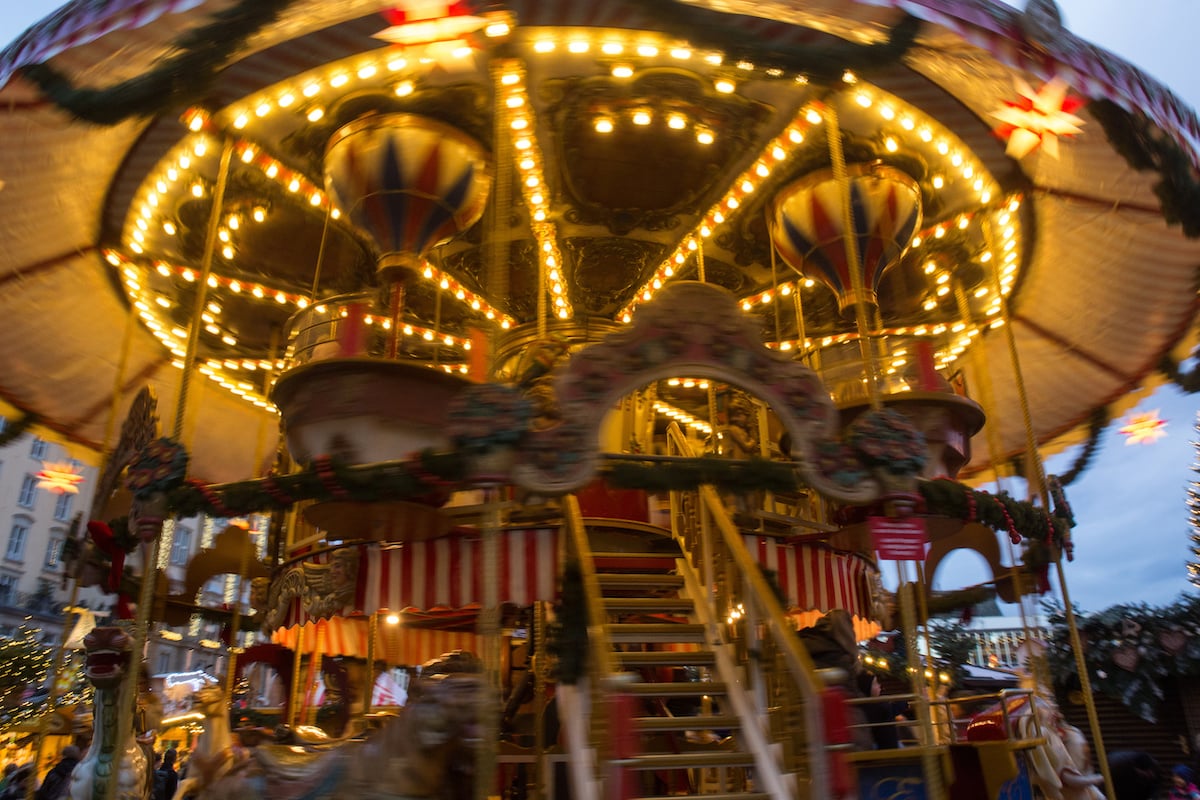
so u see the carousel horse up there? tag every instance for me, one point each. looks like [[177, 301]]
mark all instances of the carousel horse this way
[[1060, 767], [427, 751], [108, 658], [213, 754]]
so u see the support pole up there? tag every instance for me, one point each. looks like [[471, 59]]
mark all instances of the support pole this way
[[930, 766], [294, 700], [489, 634], [1039, 476], [369, 680], [853, 258], [55, 679]]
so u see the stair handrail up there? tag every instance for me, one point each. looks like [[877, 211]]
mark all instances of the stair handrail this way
[[769, 772], [800, 664], [601, 662]]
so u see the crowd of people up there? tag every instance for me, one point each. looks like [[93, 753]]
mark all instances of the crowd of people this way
[[15, 778]]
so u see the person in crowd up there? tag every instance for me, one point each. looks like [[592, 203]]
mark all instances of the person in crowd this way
[[880, 714], [1183, 784], [15, 781], [9, 769], [167, 776], [58, 779]]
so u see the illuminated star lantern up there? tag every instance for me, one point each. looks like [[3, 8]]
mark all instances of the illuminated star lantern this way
[[1038, 118], [426, 21], [59, 478], [1144, 428]]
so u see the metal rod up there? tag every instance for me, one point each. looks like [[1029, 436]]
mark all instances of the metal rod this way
[[55, 680], [110, 425], [489, 633], [321, 250], [850, 242], [297, 668], [935, 790], [236, 621], [1085, 683], [369, 679], [210, 245]]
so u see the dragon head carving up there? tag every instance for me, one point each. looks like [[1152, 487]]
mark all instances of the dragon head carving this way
[[108, 651]]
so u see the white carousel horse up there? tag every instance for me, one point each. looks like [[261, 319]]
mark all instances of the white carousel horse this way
[[1061, 767], [108, 659], [214, 754]]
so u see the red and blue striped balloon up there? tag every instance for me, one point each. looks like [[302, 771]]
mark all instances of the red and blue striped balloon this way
[[809, 230], [408, 181]]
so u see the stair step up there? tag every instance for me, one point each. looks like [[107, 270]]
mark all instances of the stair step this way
[[649, 605], [710, 722], [667, 556], [657, 658], [644, 580], [676, 688], [689, 759], [661, 633]]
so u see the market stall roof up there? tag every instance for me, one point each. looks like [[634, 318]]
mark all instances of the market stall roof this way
[[98, 289]]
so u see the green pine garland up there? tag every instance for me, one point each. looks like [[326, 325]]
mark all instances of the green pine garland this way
[[999, 512], [754, 474], [1134, 631], [429, 474], [1187, 380], [1145, 146], [179, 81], [1096, 424], [432, 474]]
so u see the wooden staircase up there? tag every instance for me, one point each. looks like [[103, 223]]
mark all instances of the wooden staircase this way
[[653, 629]]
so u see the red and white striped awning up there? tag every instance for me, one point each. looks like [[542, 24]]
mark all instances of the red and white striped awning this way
[[816, 579], [394, 644], [448, 572]]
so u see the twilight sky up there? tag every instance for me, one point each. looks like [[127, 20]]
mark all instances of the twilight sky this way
[[1133, 533]]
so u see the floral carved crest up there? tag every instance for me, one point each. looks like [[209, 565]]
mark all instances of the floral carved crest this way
[[694, 329]]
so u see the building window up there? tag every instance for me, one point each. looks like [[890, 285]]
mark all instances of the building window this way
[[3, 423], [181, 546], [28, 492], [54, 549], [8, 589], [17, 538], [62, 506], [39, 449], [164, 661]]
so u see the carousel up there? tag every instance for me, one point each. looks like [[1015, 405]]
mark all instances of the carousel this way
[[589, 366]]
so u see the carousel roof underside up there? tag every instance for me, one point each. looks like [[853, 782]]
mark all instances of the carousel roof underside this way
[[714, 108]]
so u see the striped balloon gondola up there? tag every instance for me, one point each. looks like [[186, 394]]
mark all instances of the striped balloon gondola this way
[[407, 181], [809, 228]]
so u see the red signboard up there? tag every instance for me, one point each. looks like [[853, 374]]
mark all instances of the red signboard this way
[[899, 538]]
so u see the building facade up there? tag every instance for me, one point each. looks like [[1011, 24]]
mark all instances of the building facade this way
[[35, 522]]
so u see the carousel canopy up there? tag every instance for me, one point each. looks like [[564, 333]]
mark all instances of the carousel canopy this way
[[563, 161]]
